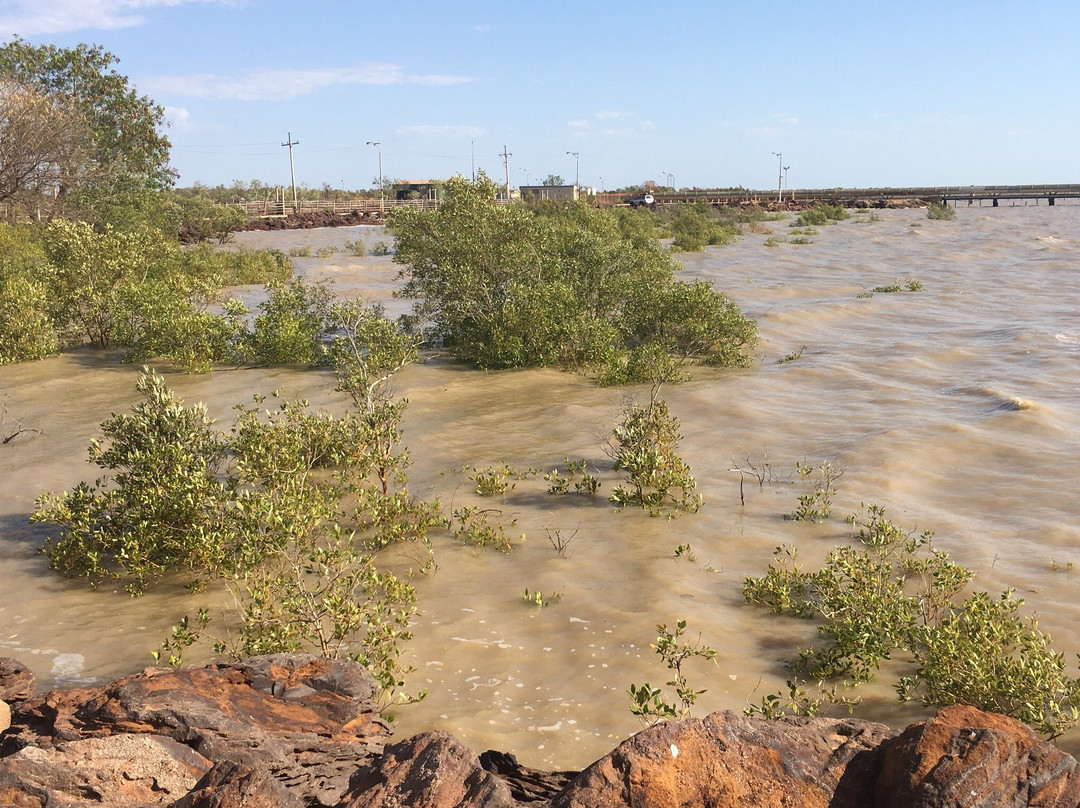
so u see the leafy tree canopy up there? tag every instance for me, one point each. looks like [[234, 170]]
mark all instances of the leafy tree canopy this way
[[97, 104], [561, 285]]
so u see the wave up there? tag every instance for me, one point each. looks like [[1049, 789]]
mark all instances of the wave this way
[[1070, 338], [996, 401]]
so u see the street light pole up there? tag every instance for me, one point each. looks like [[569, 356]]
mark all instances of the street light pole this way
[[780, 178], [577, 166], [382, 205], [785, 177]]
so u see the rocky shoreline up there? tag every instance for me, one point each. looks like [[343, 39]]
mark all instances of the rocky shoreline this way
[[326, 218], [296, 730]]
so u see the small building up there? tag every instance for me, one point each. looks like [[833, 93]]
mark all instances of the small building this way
[[418, 189], [562, 193]]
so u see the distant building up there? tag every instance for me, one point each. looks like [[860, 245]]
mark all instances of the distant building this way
[[562, 193], [418, 189]]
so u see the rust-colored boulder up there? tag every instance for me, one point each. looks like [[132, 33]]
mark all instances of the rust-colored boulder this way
[[726, 759], [17, 682], [429, 770], [309, 721], [234, 785], [119, 771], [965, 757]]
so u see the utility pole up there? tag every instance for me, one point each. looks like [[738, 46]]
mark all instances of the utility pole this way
[[292, 170], [780, 178], [472, 145], [577, 167], [382, 205], [506, 168]]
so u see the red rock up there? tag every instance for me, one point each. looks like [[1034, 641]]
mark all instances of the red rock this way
[[308, 721], [429, 770], [116, 771], [233, 785], [729, 760], [965, 757], [17, 682]]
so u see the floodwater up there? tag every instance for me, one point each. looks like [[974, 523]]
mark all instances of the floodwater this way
[[955, 407]]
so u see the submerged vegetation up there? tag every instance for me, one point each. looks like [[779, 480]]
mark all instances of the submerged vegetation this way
[[894, 596], [289, 510]]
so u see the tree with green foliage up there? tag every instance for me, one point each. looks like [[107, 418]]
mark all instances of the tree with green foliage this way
[[820, 214], [202, 219], [549, 284], [123, 127]]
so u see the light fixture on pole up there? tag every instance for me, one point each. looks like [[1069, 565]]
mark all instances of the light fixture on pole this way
[[577, 166], [780, 178], [382, 205]]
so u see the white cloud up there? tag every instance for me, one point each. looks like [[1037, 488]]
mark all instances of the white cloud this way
[[178, 117], [261, 85], [441, 130], [30, 17], [609, 114]]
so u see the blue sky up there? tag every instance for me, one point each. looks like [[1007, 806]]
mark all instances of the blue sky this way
[[868, 93]]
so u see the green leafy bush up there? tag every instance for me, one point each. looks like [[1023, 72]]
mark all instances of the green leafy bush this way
[[577, 475], [287, 510], [162, 508], [291, 325], [941, 211], [650, 703], [644, 447], [556, 285], [26, 329], [895, 596], [696, 226], [820, 214]]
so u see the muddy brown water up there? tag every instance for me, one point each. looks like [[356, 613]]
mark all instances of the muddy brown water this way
[[955, 407]]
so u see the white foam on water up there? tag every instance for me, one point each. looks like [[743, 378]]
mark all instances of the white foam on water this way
[[68, 665]]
